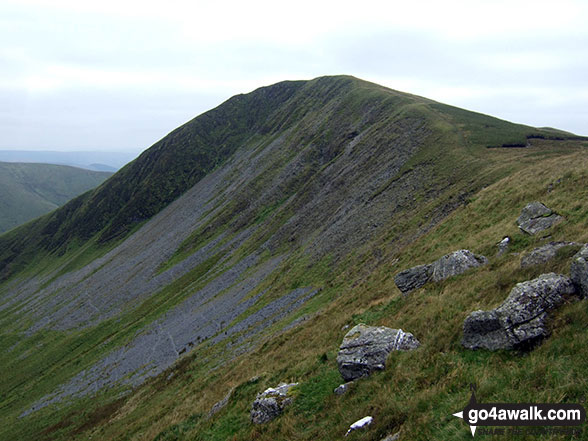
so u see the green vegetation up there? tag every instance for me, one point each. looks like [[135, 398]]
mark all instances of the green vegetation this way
[[452, 192], [31, 190]]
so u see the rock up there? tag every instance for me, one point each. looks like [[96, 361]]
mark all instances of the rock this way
[[449, 265], [579, 271], [365, 348], [342, 388], [456, 263], [393, 437], [413, 278], [221, 404], [271, 403], [544, 253], [503, 246], [520, 321], [536, 217], [360, 424]]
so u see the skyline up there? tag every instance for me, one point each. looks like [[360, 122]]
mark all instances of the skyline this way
[[118, 76]]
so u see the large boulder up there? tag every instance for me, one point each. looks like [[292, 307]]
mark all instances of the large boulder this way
[[536, 217], [365, 349], [579, 271], [449, 265], [271, 403], [456, 263], [413, 278], [520, 321], [544, 253]]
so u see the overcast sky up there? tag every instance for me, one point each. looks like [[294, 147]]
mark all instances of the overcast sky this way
[[119, 75]]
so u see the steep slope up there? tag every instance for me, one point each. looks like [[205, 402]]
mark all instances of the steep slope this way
[[31, 190], [264, 224]]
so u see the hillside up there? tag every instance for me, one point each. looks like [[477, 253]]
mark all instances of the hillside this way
[[31, 190], [236, 252]]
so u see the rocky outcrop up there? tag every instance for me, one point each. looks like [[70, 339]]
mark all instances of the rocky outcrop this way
[[520, 321], [449, 265], [271, 403], [536, 217], [365, 349], [413, 278], [456, 263], [544, 253], [579, 271]]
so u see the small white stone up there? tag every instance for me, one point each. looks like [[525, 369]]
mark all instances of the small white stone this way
[[365, 421]]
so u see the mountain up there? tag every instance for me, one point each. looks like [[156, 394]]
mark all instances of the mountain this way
[[236, 252], [30, 190], [90, 160]]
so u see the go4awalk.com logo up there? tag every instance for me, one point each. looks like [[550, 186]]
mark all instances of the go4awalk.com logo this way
[[565, 415]]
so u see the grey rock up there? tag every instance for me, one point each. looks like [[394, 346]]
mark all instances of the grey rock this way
[[413, 278], [449, 265], [544, 253], [221, 404], [579, 271], [520, 321], [365, 349], [456, 263], [536, 217], [503, 246], [393, 437], [342, 388], [271, 403]]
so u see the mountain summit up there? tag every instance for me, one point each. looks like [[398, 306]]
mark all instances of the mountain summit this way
[[239, 245]]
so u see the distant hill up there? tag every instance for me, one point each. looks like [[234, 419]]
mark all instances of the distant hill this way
[[91, 160], [31, 190]]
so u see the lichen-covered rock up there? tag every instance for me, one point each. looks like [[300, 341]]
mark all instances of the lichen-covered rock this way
[[413, 278], [271, 403], [456, 263], [365, 349], [579, 271], [544, 253], [449, 265], [520, 321], [536, 217]]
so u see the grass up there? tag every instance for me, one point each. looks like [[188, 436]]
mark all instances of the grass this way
[[31, 190], [419, 391], [469, 197]]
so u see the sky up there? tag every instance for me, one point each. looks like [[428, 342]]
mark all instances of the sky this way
[[119, 75]]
